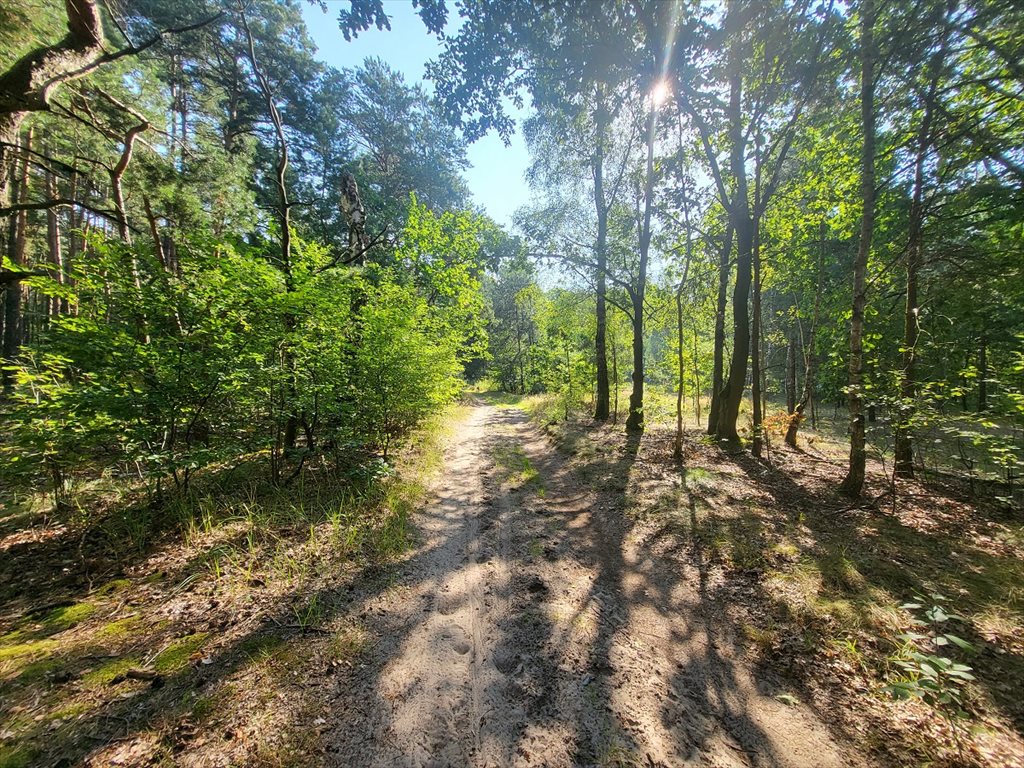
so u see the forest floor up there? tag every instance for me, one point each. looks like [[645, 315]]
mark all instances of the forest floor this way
[[564, 596]]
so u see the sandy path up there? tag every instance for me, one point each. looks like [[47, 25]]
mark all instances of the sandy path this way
[[532, 628]]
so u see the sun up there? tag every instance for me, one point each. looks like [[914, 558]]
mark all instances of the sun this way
[[660, 92]]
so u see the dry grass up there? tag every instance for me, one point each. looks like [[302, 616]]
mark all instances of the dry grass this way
[[820, 581], [166, 616]]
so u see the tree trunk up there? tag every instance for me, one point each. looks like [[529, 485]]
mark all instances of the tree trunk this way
[[810, 356], [635, 419], [696, 378], [55, 252], [519, 349], [718, 365], [284, 218], [904, 451], [853, 483], [677, 448], [154, 232], [732, 392], [743, 226], [14, 296], [791, 372], [615, 381], [756, 396], [983, 372], [601, 405]]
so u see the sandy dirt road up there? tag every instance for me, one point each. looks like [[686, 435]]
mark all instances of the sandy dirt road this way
[[533, 627]]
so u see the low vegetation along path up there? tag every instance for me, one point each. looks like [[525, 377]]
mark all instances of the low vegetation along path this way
[[531, 627]]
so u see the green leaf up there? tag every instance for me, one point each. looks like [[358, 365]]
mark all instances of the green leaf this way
[[958, 641]]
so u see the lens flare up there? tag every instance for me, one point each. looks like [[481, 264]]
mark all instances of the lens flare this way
[[660, 92]]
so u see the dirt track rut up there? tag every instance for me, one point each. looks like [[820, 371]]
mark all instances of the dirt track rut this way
[[532, 627]]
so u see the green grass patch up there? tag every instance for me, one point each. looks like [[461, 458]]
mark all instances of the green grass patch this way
[[514, 467], [700, 480], [259, 648], [71, 711], [205, 707], [501, 399], [17, 756]]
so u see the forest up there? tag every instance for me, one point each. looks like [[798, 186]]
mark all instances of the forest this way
[[711, 453]]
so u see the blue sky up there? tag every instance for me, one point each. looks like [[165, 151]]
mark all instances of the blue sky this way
[[496, 178]]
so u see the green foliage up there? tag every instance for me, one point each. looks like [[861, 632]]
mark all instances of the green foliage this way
[[405, 366], [158, 373], [929, 674]]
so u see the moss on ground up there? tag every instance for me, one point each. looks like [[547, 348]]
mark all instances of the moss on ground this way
[[122, 628], [113, 587], [177, 654], [24, 650], [65, 617], [107, 671]]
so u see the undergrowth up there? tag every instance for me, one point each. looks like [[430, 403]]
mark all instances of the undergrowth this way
[[231, 579]]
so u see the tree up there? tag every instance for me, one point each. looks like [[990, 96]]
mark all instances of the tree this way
[[853, 482]]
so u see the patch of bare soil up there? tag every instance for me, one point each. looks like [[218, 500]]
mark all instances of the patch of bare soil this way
[[536, 626]]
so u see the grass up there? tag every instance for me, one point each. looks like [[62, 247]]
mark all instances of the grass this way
[[514, 468], [824, 584], [17, 756], [348, 643], [232, 546]]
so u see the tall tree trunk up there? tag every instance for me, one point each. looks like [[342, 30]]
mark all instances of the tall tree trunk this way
[[983, 372], [635, 419], [55, 251], [117, 176], [796, 414], [14, 292], [677, 448], [791, 343], [696, 378], [284, 218], [601, 405], [732, 392], [74, 223], [615, 381], [123, 230], [743, 225], [718, 364], [904, 450], [853, 483], [154, 232], [756, 389], [519, 349]]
